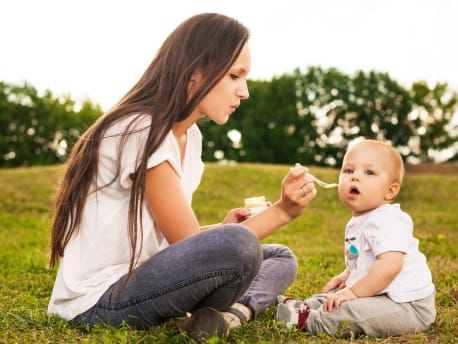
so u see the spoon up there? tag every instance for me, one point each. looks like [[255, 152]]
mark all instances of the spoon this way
[[323, 184]]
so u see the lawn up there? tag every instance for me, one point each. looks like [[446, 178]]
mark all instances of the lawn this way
[[315, 237]]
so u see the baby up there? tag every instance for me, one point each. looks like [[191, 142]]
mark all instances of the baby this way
[[386, 287]]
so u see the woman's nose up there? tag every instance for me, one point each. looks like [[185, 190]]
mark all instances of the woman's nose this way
[[242, 91]]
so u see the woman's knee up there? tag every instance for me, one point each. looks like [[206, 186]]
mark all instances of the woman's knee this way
[[243, 246], [284, 254]]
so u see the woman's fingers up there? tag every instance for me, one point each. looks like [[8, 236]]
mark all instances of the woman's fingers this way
[[295, 173], [297, 179], [298, 189]]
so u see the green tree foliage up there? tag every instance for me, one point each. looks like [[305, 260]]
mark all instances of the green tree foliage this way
[[344, 108], [312, 117], [271, 130], [39, 130], [433, 118], [306, 117]]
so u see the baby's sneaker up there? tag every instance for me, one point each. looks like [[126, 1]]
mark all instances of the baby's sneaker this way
[[282, 299], [288, 316]]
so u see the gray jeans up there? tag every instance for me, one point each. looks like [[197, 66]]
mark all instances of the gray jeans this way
[[214, 268], [371, 316]]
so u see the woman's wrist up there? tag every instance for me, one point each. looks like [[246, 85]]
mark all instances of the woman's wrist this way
[[282, 215]]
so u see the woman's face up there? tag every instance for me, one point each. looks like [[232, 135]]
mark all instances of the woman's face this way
[[224, 98]]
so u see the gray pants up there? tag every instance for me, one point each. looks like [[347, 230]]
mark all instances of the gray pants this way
[[372, 316]]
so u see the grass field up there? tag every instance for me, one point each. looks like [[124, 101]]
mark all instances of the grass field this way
[[315, 237]]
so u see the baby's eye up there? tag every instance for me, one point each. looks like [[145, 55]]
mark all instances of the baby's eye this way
[[347, 171], [370, 172]]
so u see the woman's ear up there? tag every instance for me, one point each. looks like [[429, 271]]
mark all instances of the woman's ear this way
[[195, 82], [392, 191], [197, 78]]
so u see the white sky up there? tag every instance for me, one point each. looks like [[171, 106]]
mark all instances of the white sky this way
[[98, 49]]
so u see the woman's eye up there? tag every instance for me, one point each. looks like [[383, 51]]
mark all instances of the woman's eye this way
[[234, 76]]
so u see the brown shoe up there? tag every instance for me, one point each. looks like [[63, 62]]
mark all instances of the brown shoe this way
[[205, 323]]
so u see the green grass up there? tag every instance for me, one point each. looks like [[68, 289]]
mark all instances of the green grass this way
[[315, 237]]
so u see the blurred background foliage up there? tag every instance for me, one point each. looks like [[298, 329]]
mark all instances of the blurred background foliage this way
[[40, 129], [308, 117]]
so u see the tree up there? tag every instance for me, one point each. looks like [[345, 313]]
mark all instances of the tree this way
[[37, 130], [312, 117], [432, 114], [344, 108], [306, 117]]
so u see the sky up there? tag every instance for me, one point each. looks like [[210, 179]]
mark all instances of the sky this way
[[98, 49]]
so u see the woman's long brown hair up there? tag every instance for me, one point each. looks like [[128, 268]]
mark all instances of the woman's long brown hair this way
[[208, 43]]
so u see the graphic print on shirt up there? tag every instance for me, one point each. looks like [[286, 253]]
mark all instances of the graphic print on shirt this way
[[351, 253]]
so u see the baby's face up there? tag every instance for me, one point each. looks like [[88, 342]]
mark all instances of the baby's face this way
[[365, 177]]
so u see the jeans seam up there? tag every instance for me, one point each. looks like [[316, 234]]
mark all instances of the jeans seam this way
[[142, 298]]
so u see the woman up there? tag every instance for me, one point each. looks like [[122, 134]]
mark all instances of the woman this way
[[130, 247]]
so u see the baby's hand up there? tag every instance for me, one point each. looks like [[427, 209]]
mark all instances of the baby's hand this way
[[331, 285], [337, 282], [334, 300]]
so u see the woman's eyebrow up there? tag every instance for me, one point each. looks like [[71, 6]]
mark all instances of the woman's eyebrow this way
[[238, 69]]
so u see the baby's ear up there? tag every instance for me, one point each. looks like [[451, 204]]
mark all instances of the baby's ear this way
[[392, 191]]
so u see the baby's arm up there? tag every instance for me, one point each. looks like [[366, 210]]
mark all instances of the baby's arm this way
[[337, 282], [379, 275]]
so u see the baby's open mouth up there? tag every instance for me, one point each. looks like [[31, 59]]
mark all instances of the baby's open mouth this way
[[354, 190]]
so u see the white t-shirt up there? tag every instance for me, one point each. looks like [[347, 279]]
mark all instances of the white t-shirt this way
[[99, 254], [384, 229]]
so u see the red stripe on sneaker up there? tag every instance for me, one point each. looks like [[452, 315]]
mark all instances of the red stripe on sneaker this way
[[303, 315], [287, 299]]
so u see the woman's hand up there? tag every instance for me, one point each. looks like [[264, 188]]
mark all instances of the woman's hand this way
[[334, 300], [298, 190], [237, 215]]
